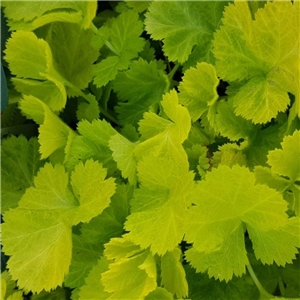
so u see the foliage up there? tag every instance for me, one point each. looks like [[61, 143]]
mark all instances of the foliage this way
[[151, 150]]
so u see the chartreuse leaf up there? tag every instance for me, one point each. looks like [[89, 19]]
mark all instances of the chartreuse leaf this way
[[29, 15], [158, 135], [279, 245], [132, 273], [93, 288], [8, 288], [54, 133], [124, 42], [182, 25], [198, 89], [229, 201], [73, 55], [141, 87], [246, 51], [38, 236], [93, 143], [20, 161], [88, 109], [285, 162], [35, 63], [165, 136], [159, 293], [159, 206], [173, 274]]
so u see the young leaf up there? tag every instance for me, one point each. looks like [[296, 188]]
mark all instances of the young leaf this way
[[198, 89], [229, 198], [124, 41], [159, 206], [132, 277]]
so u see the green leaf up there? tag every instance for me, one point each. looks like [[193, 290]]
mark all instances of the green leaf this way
[[20, 161], [198, 89], [229, 199], [230, 125], [159, 293], [246, 49], [279, 245], [286, 161], [29, 15], [54, 133], [129, 277], [88, 111], [124, 41], [140, 87], [173, 274], [93, 288], [73, 55], [182, 25], [159, 206], [84, 257]]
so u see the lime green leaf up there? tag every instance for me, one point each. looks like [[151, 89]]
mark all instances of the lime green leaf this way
[[91, 189], [93, 288], [286, 161], [93, 143], [198, 89], [260, 100], [50, 185], [173, 274], [165, 136], [8, 285], [229, 198], [34, 64], [159, 293], [31, 61], [16, 296], [124, 41], [247, 49], [20, 161], [279, 245], [123, 154], [29, 15], [182, 25], [142, 86], [159, 206], [110, 222], [230, 258], [132, 276], [35, 241], [73, 55], [84, 257], [42, 222], [54, 133], [53, 93]]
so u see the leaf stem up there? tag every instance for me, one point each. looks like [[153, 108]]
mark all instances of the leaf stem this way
[[281, 286], [173, 71], [264, 294], [109, 116]]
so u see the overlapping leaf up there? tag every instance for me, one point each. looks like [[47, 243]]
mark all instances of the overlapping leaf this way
[[37, 235]]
